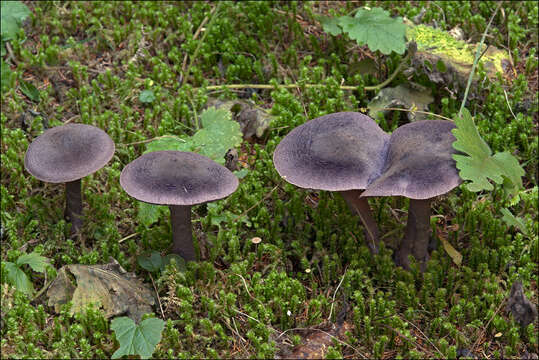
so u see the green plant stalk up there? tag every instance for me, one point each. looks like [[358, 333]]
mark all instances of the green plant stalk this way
[[476, 59], [294, 86]]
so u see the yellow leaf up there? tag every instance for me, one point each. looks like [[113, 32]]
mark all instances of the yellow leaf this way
[[498, 335], [452, 252]]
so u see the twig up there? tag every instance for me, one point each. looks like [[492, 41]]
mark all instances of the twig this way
[[10, 51], [486, 326], [424, 336], [197, 32], [509, 105], [158, 299], [420, 112], [127, 237], [335, 294]]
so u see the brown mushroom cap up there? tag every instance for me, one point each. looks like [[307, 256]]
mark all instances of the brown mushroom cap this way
[[335, 152], [177, 178], [419, 162], [68, 153]]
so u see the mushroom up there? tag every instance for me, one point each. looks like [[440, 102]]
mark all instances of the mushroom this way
[[419, 166], [179, 180], [340, 152], [65, 154]]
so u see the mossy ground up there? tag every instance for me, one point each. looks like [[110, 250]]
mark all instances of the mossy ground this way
[[91, 60]]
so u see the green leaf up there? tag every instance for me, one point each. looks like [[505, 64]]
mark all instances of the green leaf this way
[[29, 90], [146, 96], [12, 15], [149, 214], [37, 262], [17, 278], [376, 29], [478, 164], [136, 339], [168, 143], [152, 263], [177, 259], [219, 134], [512, 220], [330, 25]]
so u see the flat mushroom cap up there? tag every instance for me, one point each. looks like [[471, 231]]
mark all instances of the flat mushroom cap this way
[[335, 152], [177, 178], [419, 162], [68, 153]]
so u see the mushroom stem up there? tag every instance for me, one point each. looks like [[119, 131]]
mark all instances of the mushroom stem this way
[[416, 238], [73, 210], [182, 235], [361, 207]]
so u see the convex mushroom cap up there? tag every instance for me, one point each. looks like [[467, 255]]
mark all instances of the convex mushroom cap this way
[[68, 153], [177, 178], [180, 180]]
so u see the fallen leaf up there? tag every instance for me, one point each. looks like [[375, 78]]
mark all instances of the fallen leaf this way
[[316, 344], [109, 286], [452, 252], [402, 96]]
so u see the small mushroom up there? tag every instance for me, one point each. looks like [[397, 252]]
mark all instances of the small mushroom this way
[[419, 166], [180, 180], [65, 154], [340, 152]]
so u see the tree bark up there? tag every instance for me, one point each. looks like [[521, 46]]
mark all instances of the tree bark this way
[[417, 235], [182, 234], [73, 210], [361, 207]]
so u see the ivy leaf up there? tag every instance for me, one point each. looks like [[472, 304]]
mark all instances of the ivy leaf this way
[[330, 25], [376, 29], [17, 278], [478, 164], [151, 263], [12, 15], [37, 262], [137, 339], [512, 220]]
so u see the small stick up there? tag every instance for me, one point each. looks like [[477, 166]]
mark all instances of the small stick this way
[[127, 237], [335, 293], [158, 299]]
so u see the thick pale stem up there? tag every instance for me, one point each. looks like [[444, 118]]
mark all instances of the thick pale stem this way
[[416, 238], [182, 235], [73, 210], [361, 206]]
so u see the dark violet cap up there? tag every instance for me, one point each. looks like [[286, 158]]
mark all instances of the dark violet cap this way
[[177, 178], [335, 152], [419, 162], [68, 153]]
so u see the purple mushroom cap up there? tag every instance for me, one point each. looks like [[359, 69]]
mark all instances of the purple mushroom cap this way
[[335, 152], [68, 153], [177, 178]]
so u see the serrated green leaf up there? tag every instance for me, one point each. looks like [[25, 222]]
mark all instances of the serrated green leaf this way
[[168, 143], [330, 25], [151, 263], [37, 262], [512, 220], [28, 89], [137, 339], [149, 214], [12, 15], [146, 96], [478, 164], [17, 278], [376, 29], [218, 135]]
